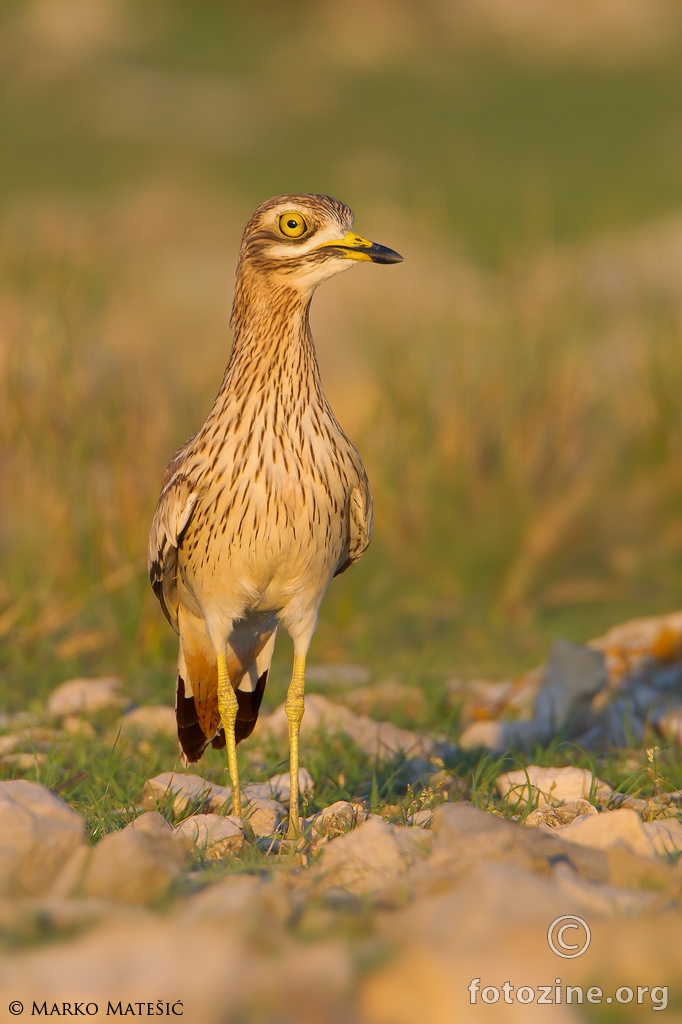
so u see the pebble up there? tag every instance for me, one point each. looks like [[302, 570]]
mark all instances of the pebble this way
[[665, 834], [550, 785], [134, 866], [353, 675], [38, 834], [336, 819], [372, 857], [187, 790], [279, 786], [609, 829], [151, 822], [263, 815], [151, 720], [385, 699], [573, 675], [213, 835], [24, 762], [378, 739], [668, 724], [554, 817], [85, 696]]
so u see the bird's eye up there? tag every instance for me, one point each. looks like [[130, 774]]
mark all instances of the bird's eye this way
[[292, 225]]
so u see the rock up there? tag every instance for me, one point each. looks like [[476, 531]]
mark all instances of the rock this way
[[279, 786], [550, 785], [573, 675], [422, 818], [68, 882], [621, 726], [187, 790], [609, 829], [371, 857], [668, 724], [240, 901], [554, 817], [213, 835], [464, 836], [35, 738], [196, 971], [151, 822], [263, 815], [386, 699], [378, 739], [667, 678], [597, 898], [73, 725], [152, 720], [633, 802], [627, 646], [38, 834], [353, 675], [335, 820], [133, 866], [665, 834], [479, 699], [85, 696], [497, 737], [24, 762]]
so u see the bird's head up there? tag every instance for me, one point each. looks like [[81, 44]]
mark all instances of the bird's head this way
[[301, 240]]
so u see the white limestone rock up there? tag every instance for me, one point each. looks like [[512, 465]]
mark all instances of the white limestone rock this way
[[378, 739], [665, 834], [611, 828], [335, 820], [85, 696], [263, 815], [38, 834], [668, 724], [213, 835], [151, 822], [150, 720], [280, 785], [555, 817], [550, 785], [187, 790], [134, 866], [371, 857]]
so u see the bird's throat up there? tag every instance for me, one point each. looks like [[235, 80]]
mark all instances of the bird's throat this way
[[273, 346]]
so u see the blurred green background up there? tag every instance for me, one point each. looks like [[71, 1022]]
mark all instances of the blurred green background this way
[[514, 386]]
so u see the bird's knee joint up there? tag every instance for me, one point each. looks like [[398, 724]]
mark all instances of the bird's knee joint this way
[[294, 709]]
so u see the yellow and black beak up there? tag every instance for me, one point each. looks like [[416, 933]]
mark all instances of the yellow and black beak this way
[[354, 247]]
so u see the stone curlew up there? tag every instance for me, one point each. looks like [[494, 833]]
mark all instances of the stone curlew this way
[[269, 500]]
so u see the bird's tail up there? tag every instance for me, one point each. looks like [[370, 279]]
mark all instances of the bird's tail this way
[[249, 654]]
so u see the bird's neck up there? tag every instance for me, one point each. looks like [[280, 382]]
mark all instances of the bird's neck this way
[[273, 347]]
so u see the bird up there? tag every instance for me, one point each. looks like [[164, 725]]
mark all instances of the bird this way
[[269, 500]]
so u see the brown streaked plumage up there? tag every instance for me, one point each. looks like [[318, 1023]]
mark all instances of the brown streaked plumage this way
[[269, 500]]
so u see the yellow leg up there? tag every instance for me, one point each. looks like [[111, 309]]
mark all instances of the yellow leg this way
[[227, 705], [294, 712]]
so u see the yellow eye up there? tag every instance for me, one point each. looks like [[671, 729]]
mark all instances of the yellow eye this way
[[292, 225]]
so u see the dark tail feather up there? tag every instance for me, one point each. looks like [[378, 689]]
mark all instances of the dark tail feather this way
[[190, 734], [249, 706]]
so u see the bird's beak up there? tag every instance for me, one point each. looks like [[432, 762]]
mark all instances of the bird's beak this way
[[354, 247]]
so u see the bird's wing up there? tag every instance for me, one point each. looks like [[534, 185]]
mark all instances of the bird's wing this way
[[178, 500], [361, 520]]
